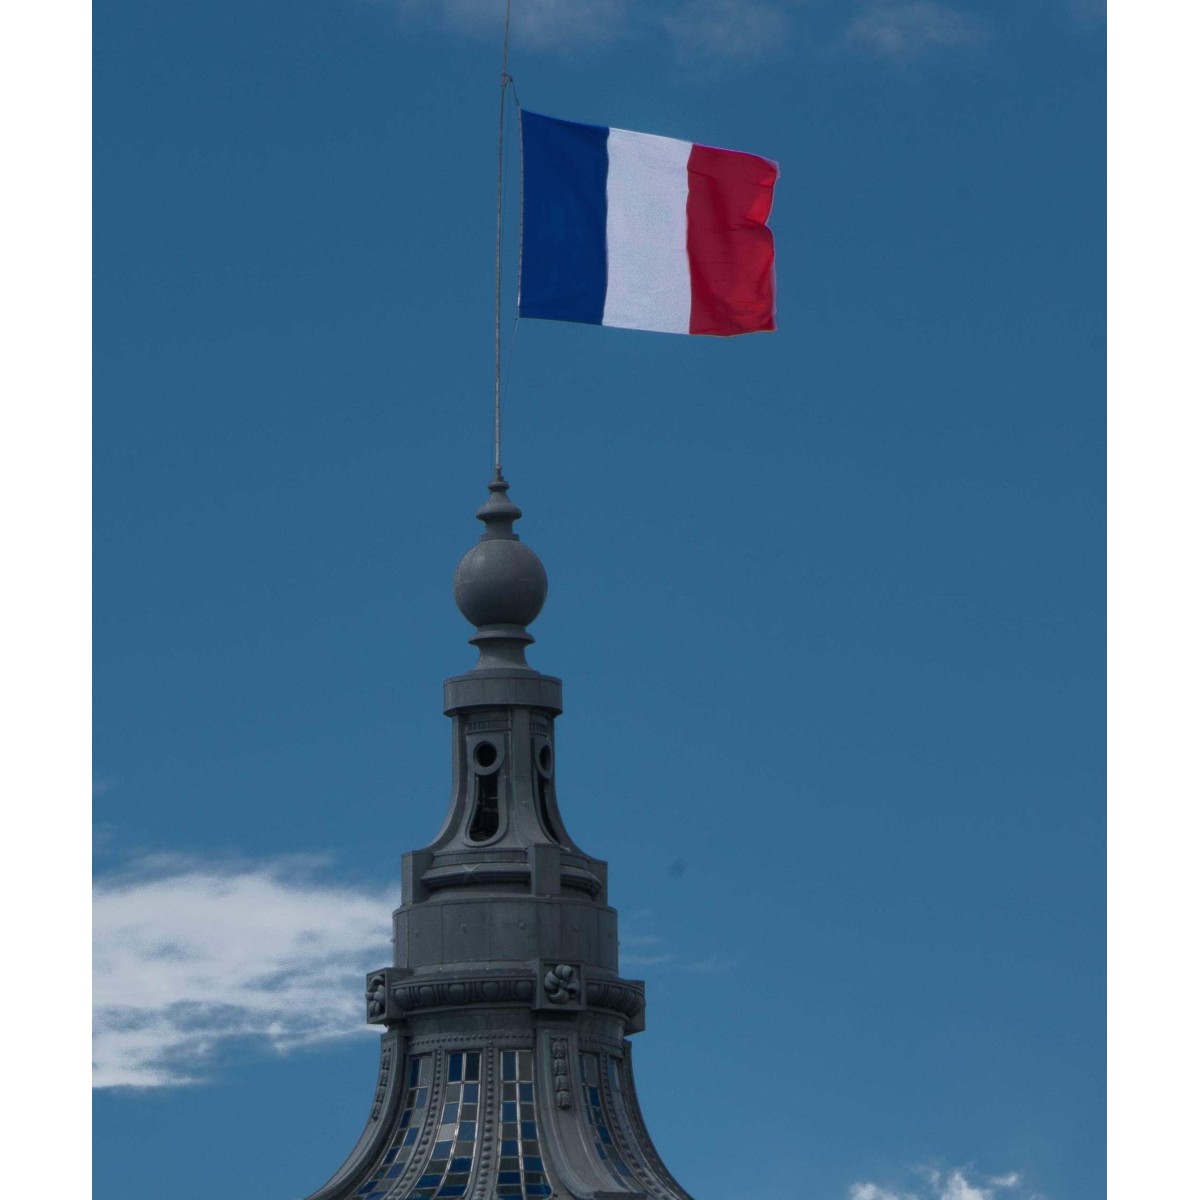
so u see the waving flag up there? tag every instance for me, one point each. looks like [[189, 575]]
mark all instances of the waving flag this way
[[644, 232]]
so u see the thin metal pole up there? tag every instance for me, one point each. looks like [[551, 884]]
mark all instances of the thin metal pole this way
[[505, 80]]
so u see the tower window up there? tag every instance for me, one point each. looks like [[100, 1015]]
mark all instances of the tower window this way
[[486, 819], [543, 757]]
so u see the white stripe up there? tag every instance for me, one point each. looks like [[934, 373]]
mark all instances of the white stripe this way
[[649, 283]]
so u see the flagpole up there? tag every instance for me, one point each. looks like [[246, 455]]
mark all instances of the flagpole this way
[[505, 80]]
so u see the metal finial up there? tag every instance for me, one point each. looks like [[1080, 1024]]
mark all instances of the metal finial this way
[[500, 583], [498, 512]]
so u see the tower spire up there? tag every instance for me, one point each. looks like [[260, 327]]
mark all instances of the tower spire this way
[[505, 1066]]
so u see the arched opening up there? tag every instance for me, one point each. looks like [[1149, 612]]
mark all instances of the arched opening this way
[[543, 761], [485, 819]]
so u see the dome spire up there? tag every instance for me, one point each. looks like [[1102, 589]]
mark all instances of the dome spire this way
[[500, 585], [505, 1071]]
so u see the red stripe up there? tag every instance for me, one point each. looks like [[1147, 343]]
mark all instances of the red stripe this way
[[730, 249]]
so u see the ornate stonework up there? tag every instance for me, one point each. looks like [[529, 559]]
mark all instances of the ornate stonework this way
[[504, 1067]]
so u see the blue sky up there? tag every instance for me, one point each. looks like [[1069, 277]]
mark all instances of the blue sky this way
[[827, 603]]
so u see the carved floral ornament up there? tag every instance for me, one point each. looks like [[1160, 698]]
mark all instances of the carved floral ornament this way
[[561, 985], [376, 996]]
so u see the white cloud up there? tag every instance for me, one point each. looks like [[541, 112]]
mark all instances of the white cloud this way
[[872, 1191], [957, 1184], [903, 29], [1088, 12], [727, 28], [958, 1188], [190, 958]]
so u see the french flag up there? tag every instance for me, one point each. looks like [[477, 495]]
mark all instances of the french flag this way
[[644, 232]]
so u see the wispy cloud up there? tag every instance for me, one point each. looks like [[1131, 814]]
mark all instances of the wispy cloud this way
[[732, 31], [711, 964], [902, 30], [960, 1183], [648, 951], [640, 939], [1088, 12], [191, 958], [646, 960], [739, 29], [872, 1191]]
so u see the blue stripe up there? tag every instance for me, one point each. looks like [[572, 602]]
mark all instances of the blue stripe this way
[[564, 267]]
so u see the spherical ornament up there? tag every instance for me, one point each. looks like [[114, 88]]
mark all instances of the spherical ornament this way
[[500, 581]]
